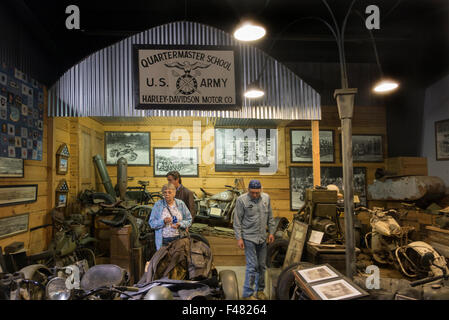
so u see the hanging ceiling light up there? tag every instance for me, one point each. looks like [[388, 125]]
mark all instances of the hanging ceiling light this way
[[385, 86], [249, 31], [254, 91]]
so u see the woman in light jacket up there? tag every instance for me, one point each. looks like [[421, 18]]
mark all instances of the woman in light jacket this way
[[168, 216]]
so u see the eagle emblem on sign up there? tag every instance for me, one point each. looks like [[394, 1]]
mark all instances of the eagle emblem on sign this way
[[186, 83]]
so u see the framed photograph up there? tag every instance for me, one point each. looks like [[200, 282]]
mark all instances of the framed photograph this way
[[334, 175], [301, 146], [13, 225], [323, 282], [61, 200], [19, 194], [11, 168], [62, 159], [296, 243], [301, 178], [317, 274], [336, 290], [442, 139], [183, 160], [133, 146], [366, 148], [247, 149]]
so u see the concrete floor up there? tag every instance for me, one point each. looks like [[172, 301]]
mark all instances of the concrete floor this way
[[270, 278]]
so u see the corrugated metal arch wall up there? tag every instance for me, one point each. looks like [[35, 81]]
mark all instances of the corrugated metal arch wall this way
[[101, 84]]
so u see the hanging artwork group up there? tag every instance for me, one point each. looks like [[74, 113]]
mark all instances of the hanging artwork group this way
[[21, 115]]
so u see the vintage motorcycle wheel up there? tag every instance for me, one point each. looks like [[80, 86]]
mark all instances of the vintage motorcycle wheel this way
[[199, 237], [276, 252], [132, 156], [86, 253], [285, 289], [229, 284]]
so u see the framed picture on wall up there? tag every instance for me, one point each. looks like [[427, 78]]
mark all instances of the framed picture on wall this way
[[133, 146], [16, 194], [301, 178], [442, 139], [301, 146], [247, 149], [10, 226], [183, 160], [366, 148], [11, 168]]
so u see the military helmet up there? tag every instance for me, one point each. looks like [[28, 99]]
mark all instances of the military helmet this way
[[159, 293]]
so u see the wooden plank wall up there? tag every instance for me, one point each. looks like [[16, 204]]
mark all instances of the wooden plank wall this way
[[370, 120], [35, 172], [85, 139], [366, 120]]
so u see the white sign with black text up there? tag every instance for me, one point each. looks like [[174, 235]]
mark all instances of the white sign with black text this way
[[181, 77]]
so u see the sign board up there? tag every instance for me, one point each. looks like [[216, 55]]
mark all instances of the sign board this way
[[186, 77]]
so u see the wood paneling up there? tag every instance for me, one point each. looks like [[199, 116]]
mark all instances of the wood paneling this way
[[35, 172], [370, 120], [85, 138]]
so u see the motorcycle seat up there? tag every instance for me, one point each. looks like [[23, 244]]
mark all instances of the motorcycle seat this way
[[143, 183], [112, 205], [103, 275], [117, 221]]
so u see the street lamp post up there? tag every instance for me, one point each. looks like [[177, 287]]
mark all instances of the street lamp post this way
[[345, 103]]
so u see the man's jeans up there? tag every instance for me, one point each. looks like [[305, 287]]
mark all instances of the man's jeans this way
[[256, 256]]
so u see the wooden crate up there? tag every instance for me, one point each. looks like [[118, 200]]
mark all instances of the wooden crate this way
[[437, 235], [407, 166]]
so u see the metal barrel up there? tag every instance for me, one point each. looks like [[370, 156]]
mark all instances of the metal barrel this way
[[122, 177], [106, 180]]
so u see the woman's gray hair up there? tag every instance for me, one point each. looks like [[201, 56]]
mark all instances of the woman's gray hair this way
[[168, 186]]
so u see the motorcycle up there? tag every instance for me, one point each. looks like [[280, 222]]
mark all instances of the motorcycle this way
[[127, 152], [71, 242], [101, 282], [390, 245], [219, 207]]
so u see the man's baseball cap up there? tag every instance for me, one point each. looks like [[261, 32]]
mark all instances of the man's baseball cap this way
[[254, 184]]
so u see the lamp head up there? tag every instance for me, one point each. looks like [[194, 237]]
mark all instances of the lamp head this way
[[249, 31], [385, 86], [253, 91]]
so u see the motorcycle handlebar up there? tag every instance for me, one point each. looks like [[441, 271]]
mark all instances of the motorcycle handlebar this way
[[125, 288]]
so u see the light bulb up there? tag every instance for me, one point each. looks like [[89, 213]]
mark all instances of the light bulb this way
[[249, 32]]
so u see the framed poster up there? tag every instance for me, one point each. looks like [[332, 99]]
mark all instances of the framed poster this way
[[301, 146], [366, 148], [186, 76], [442, 139], [301, 178], [183, 160], [296, 243], [133, 146], [245, 149], [11, 168], [13, 225], [18, 194]]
